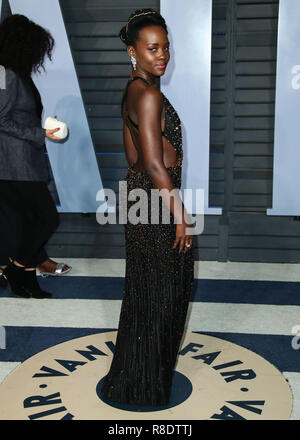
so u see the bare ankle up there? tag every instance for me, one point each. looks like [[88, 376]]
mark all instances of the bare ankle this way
[[18, 264]]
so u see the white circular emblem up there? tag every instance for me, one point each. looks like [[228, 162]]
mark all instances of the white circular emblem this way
[[213, 379]]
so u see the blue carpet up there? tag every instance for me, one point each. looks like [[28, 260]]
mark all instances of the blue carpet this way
[[225, 291], [24, 342]]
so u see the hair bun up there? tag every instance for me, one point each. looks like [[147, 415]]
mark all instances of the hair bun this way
[[123, 34], [147, 16]]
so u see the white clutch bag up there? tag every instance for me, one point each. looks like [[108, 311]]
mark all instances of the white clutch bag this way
[[51, 123]]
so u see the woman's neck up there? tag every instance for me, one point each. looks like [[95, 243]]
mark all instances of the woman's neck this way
[[150, 78]]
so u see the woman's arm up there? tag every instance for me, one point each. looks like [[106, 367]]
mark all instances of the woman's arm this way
[[8, 97], [149, 108]]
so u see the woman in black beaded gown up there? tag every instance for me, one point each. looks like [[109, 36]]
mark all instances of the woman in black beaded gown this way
[[159, 257]]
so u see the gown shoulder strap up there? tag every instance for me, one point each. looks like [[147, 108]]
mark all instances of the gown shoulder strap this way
[[125, 99], [139, 77]]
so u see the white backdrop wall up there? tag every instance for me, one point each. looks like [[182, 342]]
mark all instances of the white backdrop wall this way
[[286, 167], [186, 83]]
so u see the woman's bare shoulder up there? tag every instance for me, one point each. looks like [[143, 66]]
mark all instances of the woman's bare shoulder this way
[[148, 97]]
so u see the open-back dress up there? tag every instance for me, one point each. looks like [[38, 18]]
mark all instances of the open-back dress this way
[[157, 290]]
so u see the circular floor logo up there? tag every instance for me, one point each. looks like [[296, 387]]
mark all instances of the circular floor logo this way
[[213, 379]]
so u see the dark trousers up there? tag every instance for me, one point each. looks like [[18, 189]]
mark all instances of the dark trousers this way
[[37, 218]]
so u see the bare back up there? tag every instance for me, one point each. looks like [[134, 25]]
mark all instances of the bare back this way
[[131, 133]]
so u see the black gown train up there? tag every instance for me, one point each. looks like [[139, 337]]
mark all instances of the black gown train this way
[[158, 285]]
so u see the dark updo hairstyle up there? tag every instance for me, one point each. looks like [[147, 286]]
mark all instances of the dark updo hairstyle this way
[[138, 20], [23, 45]]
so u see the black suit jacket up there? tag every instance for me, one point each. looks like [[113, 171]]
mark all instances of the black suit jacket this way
[[22, 139]]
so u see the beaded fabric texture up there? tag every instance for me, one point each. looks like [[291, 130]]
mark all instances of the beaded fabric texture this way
[[157, 290]]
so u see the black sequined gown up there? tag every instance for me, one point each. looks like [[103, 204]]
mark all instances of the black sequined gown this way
[[158, 284]]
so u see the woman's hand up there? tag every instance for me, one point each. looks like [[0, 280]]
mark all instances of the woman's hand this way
[[182, 238], [50, 135]]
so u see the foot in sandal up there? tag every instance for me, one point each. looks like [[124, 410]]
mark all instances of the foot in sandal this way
[[50, 267]]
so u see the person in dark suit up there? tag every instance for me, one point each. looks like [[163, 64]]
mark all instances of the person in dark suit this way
[[23, 167]]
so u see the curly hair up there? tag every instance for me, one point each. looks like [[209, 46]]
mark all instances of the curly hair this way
[[138, 20], [23, 45]]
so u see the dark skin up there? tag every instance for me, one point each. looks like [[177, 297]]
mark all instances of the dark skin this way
[[146, 148]]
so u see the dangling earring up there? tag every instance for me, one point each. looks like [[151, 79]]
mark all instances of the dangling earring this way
[[133, 60]]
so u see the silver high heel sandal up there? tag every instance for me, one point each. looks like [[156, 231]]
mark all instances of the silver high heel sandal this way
[[58, 271]]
